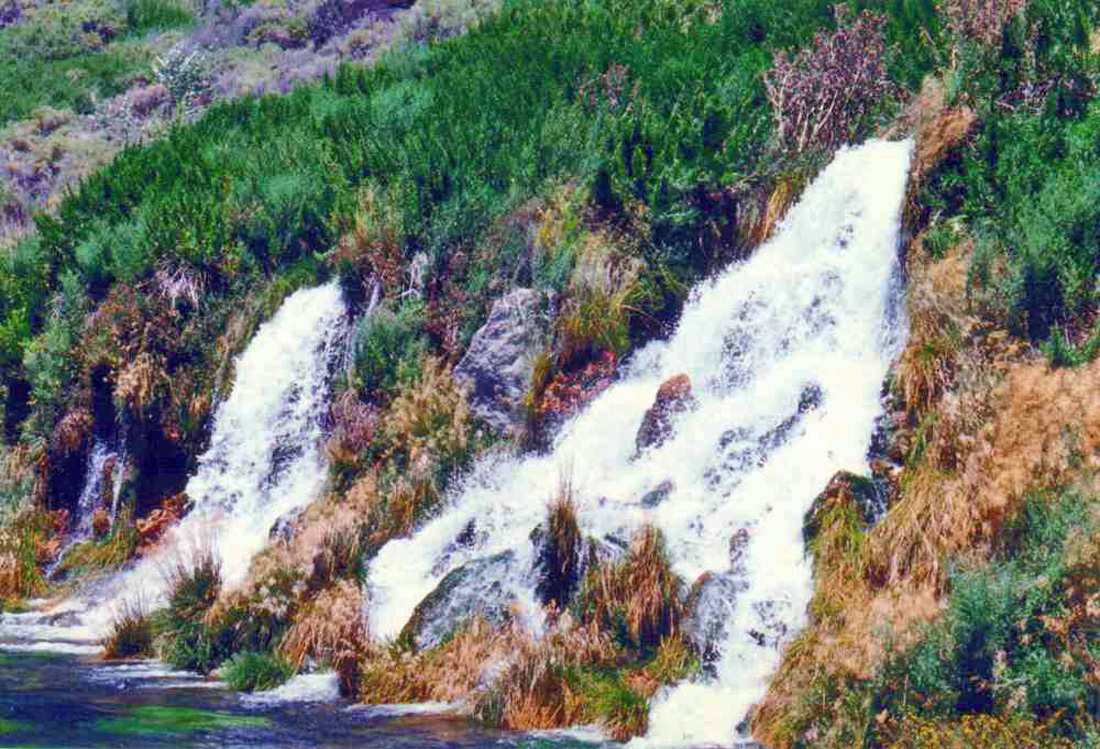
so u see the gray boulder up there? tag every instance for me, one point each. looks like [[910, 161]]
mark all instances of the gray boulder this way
[[709, 611], [477, 588], [497, 368]]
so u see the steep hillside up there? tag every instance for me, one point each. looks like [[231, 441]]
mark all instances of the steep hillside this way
[[511, 214]]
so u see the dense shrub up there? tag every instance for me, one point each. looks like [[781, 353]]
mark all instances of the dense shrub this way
[[252, 672], [131, 634], [389, 347], [187, 641], [1025, 185]]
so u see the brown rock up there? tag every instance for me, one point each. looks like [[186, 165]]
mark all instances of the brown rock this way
[[151, 528], [47, 552], [101, 523], [673, 397]]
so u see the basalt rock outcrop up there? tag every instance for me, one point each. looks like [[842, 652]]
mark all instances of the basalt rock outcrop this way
[[476, 589], [497, 368], [673, 397], [844, 490]]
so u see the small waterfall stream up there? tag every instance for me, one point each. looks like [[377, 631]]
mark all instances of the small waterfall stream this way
[[266, 452], [786, 353], [91, 496], [265, 460]]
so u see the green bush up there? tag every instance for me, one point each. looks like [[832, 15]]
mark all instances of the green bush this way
[[389, 348], [186, 641], [252, 672], [143, 16], [996, 650]]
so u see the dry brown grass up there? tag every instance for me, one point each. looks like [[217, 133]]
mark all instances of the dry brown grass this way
[[449, 673], [641, 591], [372, 246], [938, 129], [429, 420], [140, 382], [331, 628], [535, 692]]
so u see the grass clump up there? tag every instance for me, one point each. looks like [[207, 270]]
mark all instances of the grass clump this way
[[131, 634], [252, 672], [331, 629], [637, 600], [187, 641], [104, 554]]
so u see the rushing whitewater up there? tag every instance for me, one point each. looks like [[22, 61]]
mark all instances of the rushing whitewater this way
[[787, 353], [265, 459]]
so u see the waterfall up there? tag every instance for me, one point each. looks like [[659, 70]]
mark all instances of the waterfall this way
[[266, 456], [786, 353], [91, 496]]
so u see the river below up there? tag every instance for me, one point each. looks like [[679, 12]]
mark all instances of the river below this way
[[57, 700]]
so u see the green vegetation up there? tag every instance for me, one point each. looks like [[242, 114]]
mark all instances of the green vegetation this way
[[1025, 186], [251, 672], [15, 726], [159, 719], [105, 554], [186, 640], [69, 57], [131, 634]]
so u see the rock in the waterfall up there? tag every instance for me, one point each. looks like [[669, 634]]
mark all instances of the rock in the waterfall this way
[[844, 489], [673, 397], [738, 542], [477, 588], [658, 494], [498, 366], [101, 523], [285, 529], [709, 610]]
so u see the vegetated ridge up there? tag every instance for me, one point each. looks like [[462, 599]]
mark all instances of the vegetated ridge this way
[[606, 156]]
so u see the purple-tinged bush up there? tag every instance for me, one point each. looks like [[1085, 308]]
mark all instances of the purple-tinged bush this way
[[825, 92]]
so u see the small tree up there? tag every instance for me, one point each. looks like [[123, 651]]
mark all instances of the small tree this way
[[824, 92], [184, 74]]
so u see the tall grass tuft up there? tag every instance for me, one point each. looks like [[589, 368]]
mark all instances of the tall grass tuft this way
[[131, 634], [194, 582], [249, 671], [638, 599]]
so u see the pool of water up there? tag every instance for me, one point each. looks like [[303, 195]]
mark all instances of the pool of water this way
[[73, 700]]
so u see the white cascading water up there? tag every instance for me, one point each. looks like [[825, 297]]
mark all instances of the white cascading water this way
[[92, 494], [786, 354], [265, 460], [266, 456]]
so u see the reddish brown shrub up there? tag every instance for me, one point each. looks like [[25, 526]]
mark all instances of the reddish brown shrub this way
[[824, 92]]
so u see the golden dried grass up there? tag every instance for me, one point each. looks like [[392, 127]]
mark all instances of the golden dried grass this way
[[641, 590], [535, 692], [331, 628], [449, 673]]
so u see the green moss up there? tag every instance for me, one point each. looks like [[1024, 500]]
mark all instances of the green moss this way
[[15, 726], [158, 719]]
